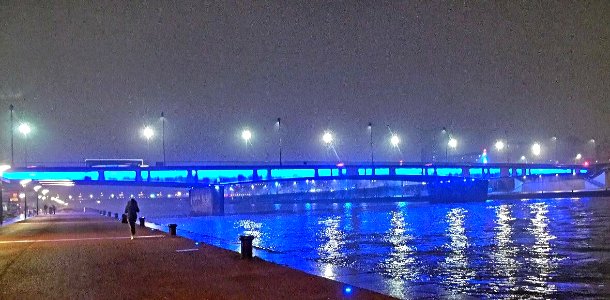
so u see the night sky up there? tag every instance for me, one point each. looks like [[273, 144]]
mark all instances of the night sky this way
[[88, 77]]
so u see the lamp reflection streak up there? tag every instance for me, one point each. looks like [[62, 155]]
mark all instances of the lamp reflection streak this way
[[456, 265], [541, 258], [401, 265], [330, 250], [505, 253]]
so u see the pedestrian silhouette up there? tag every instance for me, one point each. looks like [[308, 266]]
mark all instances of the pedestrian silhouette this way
[[132, 211]]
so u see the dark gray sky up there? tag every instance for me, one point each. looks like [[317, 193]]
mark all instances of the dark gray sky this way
[[88, 76]]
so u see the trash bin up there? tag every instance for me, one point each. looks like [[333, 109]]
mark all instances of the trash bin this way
[[172, 229], [246, 246], [110, 214], [124, 218], [142, 222], [116, 216]]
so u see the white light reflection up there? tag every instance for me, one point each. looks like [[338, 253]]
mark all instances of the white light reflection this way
[[456, 264], [330, 251], [401, 265], [505, 253], [541, 258], [254, 229]]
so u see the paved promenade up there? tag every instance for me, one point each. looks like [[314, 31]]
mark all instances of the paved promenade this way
[[87, 256]]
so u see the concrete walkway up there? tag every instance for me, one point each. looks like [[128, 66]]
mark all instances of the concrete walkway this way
[[87, 256]]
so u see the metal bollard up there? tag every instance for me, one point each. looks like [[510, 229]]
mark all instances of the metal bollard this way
[[116, 216], [142, 222], [110, 214], [124, 218], [246, 246], [172, 229], [103, 212]]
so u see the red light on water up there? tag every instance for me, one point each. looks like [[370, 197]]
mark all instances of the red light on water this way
[[586, 164]]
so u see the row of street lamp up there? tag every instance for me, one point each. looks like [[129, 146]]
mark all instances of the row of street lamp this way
[[148, 133]]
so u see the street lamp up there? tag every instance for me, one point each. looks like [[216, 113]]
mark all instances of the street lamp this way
[[536, 149], [554, 139], [3, 168], [25, 129], [371, 141], [36, 189], [593, 150], [499, 145], [11, 108], [24, 183], [148, 134], [246, 135], [327, 138], [394, 140], [279, 134], [577, 158], [163, 135], [523, 158]]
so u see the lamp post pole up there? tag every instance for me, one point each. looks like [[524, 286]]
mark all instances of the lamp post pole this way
[[371, 142], [163, 135], [11, 107], [279, 133], [25, 204]]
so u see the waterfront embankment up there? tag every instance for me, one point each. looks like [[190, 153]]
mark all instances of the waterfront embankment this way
[[87, 256]]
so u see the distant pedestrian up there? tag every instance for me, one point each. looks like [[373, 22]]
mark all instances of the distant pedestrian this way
[[46, 209], [53, 208], [132, 211]]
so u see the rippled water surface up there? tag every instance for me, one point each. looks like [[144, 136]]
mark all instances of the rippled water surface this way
[[550, 248]]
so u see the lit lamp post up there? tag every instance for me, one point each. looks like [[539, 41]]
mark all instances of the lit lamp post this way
[[500, 146], [24, 184], [524, 159], [371, 141], [11, 108], [536, 149], [163, 135], [328, 139], [452, 143], [148, 134], [554, 139], [36, 189], [593, 150], [577, 158], [246, 135], [3, 168], [279, 134], [25, 129]]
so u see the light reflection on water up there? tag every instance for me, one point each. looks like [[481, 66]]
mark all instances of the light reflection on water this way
[[552, 248]]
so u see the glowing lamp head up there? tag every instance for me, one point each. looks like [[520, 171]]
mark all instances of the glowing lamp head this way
[[578, 156], [327, 138], [523, 157], [148, 132], [246, 135], [500, 145], [536, 149], [24, 128], [395, 140], [452, 143]]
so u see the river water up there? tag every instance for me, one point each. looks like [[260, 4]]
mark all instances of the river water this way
[[551, 248]]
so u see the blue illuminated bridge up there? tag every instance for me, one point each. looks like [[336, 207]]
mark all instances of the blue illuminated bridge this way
[[444, 181]]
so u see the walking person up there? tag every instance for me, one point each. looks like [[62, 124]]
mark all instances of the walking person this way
[[132, 211]]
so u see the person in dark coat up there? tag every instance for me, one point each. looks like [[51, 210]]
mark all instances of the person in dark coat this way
[[132, 210]]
